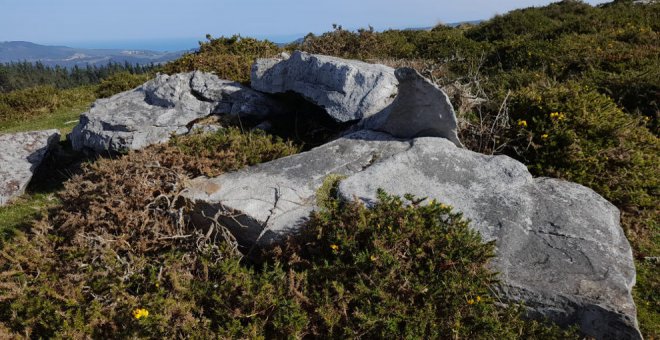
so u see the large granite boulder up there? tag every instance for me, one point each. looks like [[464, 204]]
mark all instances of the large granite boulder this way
[[20, 155], [347, 89], [164, 106], [560, 247], [421, 109]]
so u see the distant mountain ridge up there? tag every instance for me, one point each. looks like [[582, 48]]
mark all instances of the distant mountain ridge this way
[[19, 51]]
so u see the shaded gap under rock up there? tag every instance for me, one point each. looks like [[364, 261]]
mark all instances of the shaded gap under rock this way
[[305, 123]]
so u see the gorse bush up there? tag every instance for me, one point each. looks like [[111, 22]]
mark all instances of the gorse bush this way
[[399, 270], [120, 82], [576, 133], [117, 242], [231, 149], [116, 258], [569, 89], [596, 66], [229, 58], [573, 132]]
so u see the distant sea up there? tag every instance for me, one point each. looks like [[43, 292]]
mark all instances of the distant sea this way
[[175, 44]]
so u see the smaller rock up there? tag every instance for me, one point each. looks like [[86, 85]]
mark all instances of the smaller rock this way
[[421, 109], [347, 89], [166, 105], [20, 155]]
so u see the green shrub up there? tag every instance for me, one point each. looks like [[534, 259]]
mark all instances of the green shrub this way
[[362, 44], [596, 66], [120, 82], [399, 270], [116, 258], [226, 150], [33, 102], [115, 243], [574, 132], [229, 58]]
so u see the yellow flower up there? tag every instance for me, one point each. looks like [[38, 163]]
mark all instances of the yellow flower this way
[[373, 258], [557, 116], [470, 302], [334, 247], [544, 136], [478, 298], [140, 313], [522, 123]]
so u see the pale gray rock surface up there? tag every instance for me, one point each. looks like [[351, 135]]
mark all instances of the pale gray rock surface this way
[[421, 109], [560, 247], [20, 155], [273, 199], [163, 106], [347, 89]]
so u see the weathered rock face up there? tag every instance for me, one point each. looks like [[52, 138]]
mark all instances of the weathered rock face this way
[[347, 89], [164, 106], [400, 102], [421, 109], [20, 155], [561, 249], [262, 203]]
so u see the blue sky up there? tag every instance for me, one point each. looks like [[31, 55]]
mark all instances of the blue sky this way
[[105, 23]]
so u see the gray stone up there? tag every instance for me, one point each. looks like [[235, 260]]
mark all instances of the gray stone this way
[[233, 98], [164, 106], [262, 203], [560, 247], [20, 155], [421, 109], [208, 125], [347, 89]]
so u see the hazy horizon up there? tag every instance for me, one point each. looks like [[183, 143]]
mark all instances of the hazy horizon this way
[[173, 25]]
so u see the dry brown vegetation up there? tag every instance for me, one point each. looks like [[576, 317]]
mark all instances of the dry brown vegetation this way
[[88, 261]]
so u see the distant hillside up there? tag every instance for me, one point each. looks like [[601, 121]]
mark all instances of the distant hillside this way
[[14, 51]]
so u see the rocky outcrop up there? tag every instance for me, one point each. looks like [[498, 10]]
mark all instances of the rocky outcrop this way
[[347, 89], [560, 248], [262, 203], [164, 106], [421, 109], [400, 102], [20, 155]]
